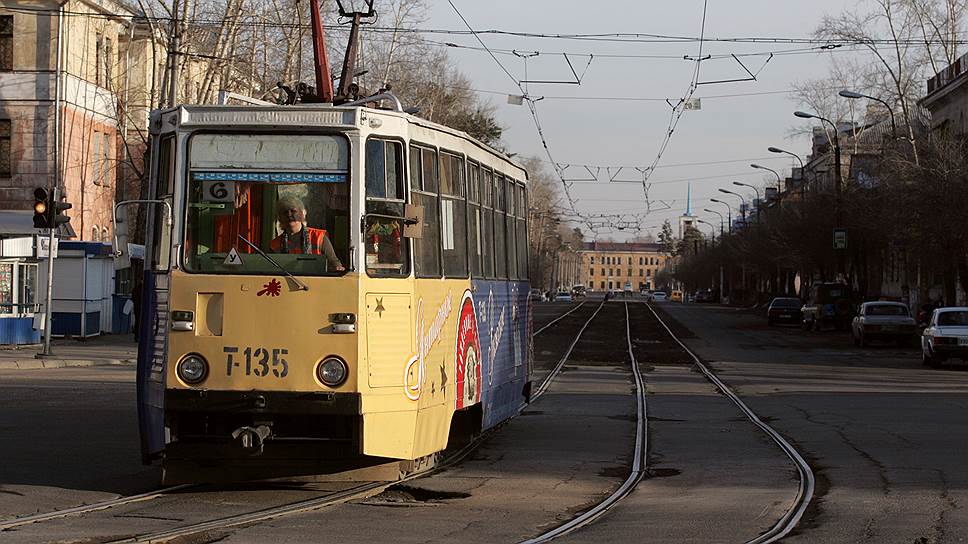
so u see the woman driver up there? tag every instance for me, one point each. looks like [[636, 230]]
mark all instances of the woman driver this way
[[299, 238]]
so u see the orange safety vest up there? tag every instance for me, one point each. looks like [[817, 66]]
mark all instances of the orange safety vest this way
[[316, 237]]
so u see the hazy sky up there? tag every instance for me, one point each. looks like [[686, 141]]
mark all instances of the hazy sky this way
[[628, 133]]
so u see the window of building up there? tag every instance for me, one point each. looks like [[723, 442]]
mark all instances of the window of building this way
[[630, 260], [423, 190], [641, 272], [591, 260], [630, 272], [591, 271], [6, 43], [648, 273], [609, 284], [5, 161], [385, 248], [640, 261], [611, 271], [603, 285], [453, 215], [108, 62], [603, 271], [28, 286]]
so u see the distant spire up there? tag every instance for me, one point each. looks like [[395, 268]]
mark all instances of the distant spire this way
[[689, 198]]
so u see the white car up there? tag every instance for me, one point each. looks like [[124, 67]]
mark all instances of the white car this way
[[946, 336], [659, 296], [563, 296], [883, 321]]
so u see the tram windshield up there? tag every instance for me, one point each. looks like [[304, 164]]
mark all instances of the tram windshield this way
[[286, 195]]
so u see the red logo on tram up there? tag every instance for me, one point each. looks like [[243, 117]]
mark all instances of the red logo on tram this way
[[468, 355], [272, 289]]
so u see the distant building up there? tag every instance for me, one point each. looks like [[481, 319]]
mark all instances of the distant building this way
[[612, 265], [947, 98]]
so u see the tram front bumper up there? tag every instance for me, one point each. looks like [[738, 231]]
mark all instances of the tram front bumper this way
[[262, 402]]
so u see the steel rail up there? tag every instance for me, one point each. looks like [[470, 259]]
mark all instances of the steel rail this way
[[807, 484], [561, 363], [557, 319], [299, 507], [638, 464], [87, 508]]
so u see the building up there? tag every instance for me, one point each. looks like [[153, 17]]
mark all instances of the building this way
[[77, 80], [617, 265], [947, 98]]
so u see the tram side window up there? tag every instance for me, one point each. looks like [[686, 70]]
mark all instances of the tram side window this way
[[423, 190], [453, 216], [512, 210], [164, 187], [385, 246], [475, 247], [500, 228], [487, 229], [522, 232]]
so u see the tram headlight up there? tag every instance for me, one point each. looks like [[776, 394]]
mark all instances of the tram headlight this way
[[332, 371], [192, 369]]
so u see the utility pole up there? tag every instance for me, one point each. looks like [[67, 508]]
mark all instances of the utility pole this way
[[173, 45]]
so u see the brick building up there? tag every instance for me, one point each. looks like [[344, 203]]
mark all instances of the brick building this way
[[613, 265]]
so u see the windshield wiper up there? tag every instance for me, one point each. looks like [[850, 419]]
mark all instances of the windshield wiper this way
[[302, 286]]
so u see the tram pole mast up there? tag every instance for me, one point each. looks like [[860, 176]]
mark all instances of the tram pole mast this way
[[345, 92], [324, 82]]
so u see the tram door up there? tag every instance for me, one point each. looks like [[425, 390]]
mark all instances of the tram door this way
[[153, 326]]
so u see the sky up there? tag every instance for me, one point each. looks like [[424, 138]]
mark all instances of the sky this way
[[601, 132]]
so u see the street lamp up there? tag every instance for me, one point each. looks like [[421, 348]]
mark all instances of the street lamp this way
[[721, 219], [741, 197], [855, 95], [729, 212], [712, 228], [838, 176]]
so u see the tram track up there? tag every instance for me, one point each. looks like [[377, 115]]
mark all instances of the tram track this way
[[557, 319], [546, 382], [641, 448], [807, 481]]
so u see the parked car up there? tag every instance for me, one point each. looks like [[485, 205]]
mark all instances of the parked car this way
[[706, 296], [883, 321], [563, 296], [659, 296], [828, 304], [535, 295], [676, 296], [578, 291], [946, 336], [647, 293], [783, 310]]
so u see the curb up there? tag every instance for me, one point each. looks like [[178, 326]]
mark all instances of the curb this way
[[35, 364]]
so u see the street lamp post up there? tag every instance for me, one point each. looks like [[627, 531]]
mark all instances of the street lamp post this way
[[729, 213], [721, 220], [742, 198], [838, 176], [712, 229], [855, 95], [803, 180]]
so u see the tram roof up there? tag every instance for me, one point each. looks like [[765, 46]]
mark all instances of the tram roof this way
[[300, 116]]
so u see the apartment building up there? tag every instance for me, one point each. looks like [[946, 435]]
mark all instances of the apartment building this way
[[615, 265]]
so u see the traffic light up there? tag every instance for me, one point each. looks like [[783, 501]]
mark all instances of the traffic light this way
[[57, 216], [41, 207], [48, 212]]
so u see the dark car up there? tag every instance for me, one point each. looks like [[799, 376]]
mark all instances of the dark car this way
[[704, 296], [828, 304], [783, 310]]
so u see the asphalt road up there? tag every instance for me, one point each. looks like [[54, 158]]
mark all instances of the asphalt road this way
[[885, 436]]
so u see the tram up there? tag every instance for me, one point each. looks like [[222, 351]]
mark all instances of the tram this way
[[326, 287]]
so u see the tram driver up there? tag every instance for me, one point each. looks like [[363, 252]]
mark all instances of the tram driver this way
[[299, 238]]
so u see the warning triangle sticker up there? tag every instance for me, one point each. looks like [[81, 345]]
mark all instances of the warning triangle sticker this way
[[233, 258]]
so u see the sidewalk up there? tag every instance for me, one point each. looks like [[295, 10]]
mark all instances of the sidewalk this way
[[111, 349]]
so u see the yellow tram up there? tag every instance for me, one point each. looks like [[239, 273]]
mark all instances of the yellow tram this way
[[326, 287]]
